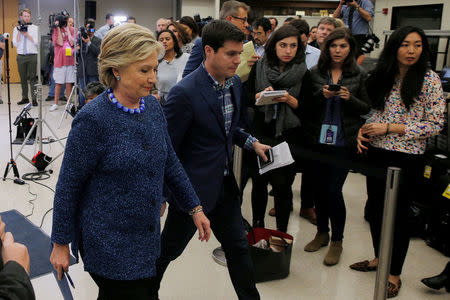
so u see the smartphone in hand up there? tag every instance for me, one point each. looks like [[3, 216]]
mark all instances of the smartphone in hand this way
[[334, 87], [269, 155]]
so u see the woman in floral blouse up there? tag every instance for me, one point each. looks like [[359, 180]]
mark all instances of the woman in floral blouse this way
[[409, 106]]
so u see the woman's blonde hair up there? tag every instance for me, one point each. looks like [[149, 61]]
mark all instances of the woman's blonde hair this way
[[122, 46]]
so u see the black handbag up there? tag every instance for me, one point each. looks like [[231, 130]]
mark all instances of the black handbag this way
[[269, 265]]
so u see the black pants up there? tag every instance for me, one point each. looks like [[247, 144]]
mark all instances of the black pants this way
[[110, 289], [281, 180], [412, 171], [227, 225], [309, 187], [329, 180]]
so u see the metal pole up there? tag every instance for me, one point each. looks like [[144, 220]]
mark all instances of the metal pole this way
[[387, 232]]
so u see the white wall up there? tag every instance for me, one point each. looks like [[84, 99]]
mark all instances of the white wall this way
[[203, 7], [145, 12], [383, 22]]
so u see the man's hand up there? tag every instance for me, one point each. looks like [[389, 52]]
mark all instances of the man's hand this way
[[60, 258], [2, 229], [202, 224], [88, 40], [352, 4], [260, 149], [12, 251], [251, 61]]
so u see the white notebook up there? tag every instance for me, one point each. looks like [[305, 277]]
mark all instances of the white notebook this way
[[266, 97], [281, 157]]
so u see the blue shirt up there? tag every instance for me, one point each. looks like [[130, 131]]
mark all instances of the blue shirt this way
[[312, 56], [360, 25], [259, 50]]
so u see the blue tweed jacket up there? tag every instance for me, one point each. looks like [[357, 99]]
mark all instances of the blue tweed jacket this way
[[109, 192]]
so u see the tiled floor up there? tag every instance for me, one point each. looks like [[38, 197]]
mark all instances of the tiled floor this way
[[195, 275]]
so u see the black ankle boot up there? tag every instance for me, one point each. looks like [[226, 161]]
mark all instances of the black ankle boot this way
[[439, 281]]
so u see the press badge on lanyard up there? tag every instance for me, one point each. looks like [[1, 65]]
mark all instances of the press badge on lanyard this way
[[328, 134], [68, 51]]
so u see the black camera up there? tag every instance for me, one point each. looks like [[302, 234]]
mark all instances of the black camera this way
[[90, 28], [369, 44], [61, 17], [23, 27]]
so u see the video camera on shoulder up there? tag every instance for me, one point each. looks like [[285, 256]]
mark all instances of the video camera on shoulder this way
[[23, 27], [61, 17]]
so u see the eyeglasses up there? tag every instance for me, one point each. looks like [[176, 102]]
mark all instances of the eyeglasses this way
[[244, 20]]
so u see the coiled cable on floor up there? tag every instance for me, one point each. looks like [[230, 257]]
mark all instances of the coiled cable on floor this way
[[36, 177]]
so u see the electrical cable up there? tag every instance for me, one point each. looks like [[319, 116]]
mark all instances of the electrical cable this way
[[35, 177]]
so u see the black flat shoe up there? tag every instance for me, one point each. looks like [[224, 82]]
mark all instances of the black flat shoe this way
[[439, 281], [23, 101]]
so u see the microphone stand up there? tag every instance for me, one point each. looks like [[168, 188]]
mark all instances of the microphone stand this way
[[12, 163]]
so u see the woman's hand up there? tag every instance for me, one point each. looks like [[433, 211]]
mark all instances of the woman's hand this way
[[269, 88], [285, 98], [360, 139], [202, 224], [60, 258], [375, 129], [344, 93], [326, 93]]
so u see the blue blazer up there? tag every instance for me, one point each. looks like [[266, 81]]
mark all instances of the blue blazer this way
[[196, 127], [195, 59]]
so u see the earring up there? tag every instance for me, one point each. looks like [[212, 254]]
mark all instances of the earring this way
[[118, 77]]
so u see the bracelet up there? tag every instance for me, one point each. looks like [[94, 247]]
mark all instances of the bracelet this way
[[195, 210], [387, 129]]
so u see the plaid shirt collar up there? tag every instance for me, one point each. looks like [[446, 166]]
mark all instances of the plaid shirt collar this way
[[218, 86]]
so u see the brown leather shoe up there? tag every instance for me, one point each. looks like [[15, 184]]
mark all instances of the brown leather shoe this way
[[272, 212], [363, 266], [309, 214], [392, 289]]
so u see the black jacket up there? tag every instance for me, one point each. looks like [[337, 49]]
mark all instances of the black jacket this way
[[313, 110], [88, 57], [265, 132], [15, 283]]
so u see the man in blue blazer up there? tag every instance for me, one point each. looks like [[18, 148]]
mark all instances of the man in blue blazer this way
[[204, 113]]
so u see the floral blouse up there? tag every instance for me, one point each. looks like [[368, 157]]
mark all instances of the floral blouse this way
[[425, 117]]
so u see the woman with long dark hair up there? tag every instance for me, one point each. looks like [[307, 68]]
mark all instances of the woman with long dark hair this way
[[332, 123], [171, 66], [282, 68], [180, 33], [409, 105]]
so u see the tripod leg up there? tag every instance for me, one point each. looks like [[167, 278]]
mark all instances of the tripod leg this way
[[6, 172], [15, 170]]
